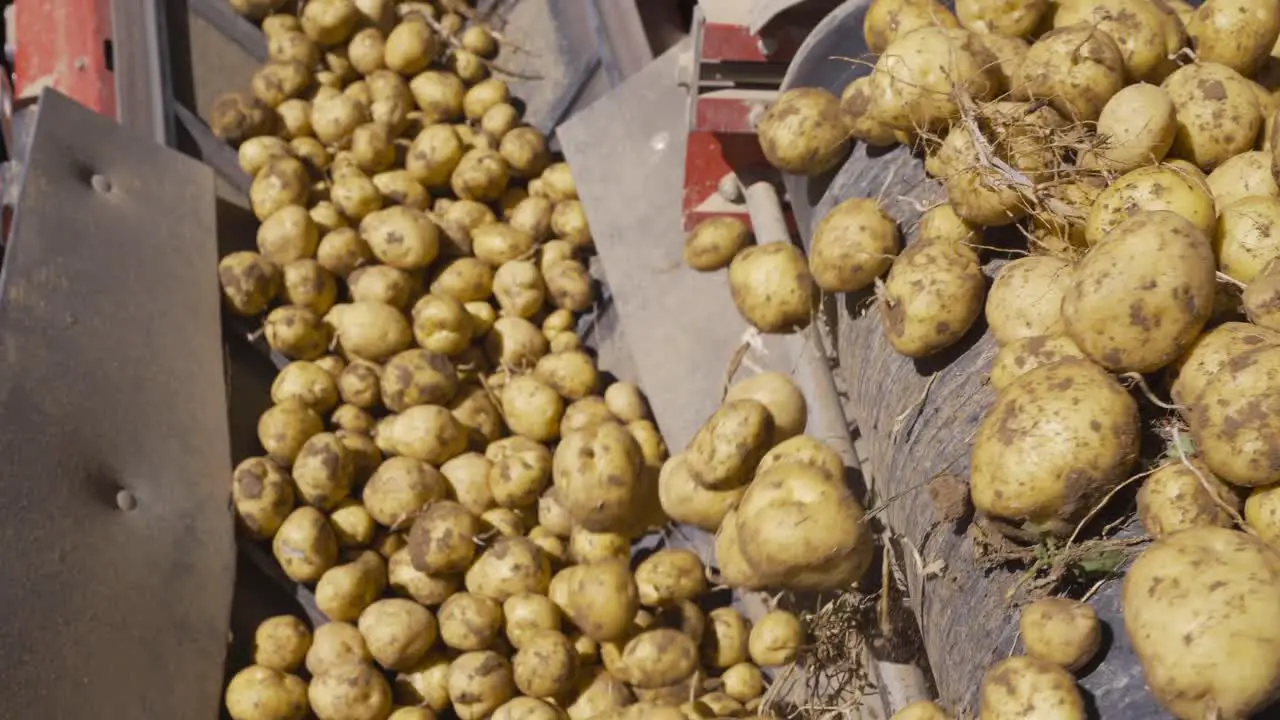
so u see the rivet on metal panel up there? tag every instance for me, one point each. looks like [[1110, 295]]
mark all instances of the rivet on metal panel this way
[[100, 183], [126, 500], [659, 142]]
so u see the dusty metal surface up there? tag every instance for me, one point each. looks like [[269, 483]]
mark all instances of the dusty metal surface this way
[[119, 558]]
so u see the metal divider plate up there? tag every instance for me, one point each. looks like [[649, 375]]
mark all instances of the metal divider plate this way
[[119, 549]]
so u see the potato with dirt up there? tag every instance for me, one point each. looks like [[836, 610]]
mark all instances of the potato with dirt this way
[[525, 151], [398, 632], [777, 392], [470, 622], [335, 644], [438, 96], [992, 17], [1059, 630], [400, 488], [569, 223], [335, 118], [305, 283], [283, 429], [305, 545], [281, 642], [570, 286], [401, 237], [532, 408], [511, 565], [265, 693], [1022, 687], [519, 471], [775, 639], [887, 20], [1239, 34], [1139, 299], [1232, 422], [481, 175], [921, 710], [433, 155], [1026, 354], [1206, 593], [350, 692], [1248, 237], [601, 599], [525, 614], [1149, 189], [686, 501], [519, 288], [466, 279], [287, 234], [405, 580], [382, 284], [323, 471], [341, 251], [249, 282], [917, 81], [670, 575], [279, 81], [443, 538], [410, 47], [442, 325], [978, 194], [572, 373], [239, 116], [725, 450], [372, 331], [263, 496], [1261, 299], [932, 296], [1076, 68], [1136, 128], [659, 658], [345, 590], [1027, 467], [854, 244], [772, 287], [597, 472], [799, 527], [417, 377], [1181, 495], [426, 432], [479, 683], [1245, 175], [803, 132], [1026, 298], [859, 120], [1217, 112], [498, 243], [546, 665], [1137, 26]]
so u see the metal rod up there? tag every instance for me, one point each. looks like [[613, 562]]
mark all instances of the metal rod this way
[[144, 94], [219, 14]]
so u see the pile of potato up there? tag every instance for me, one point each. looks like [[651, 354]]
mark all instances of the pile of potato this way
[[1135, 145], [442, 464]]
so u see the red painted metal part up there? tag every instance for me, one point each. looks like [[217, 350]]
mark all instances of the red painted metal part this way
[[63, 44], [723, 41], [722, 115]]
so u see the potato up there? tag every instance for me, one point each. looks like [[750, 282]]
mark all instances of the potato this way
[[262, 493], [587, 547], [589, 411], [477, 411], [417, 377], [569, 284], [596, 692], [438, 96], [552, 515], [307, 284], [398, 632], [365, 454], [1137, 26], [479, 682], [336, 644], [427, 432], [532, 216], [352, 419], [1023, 687], [515, 343], [1174, 498], [426, 684], [527, 708], [344, 591], [1261, 298], [441, 325], [854, 244], [239, 116], [410, 47], [372, 147], [1038, 425], [1136, 127], [551, 544], [359, 384], [1262, 514], [480, 175], [254, 153], [546, 665], [887, 20], [498, 243], [1217, 113], [1026, 354], [917, 78], [569, 223], [803, 132], [1164, 603], [601, 599], [1239, 34], [572, 374], [442, 539], [921, 710], [714, 242], [358, 692], [366, 49], [400, 488], [329, 22], [725, 450], [470, 622], [371, 331], [312, 152], [387, 544], [976, 194], [686, 501], [382, 284], [355, 195], [525, 151], [430, 590], [996, 18], [281, 643], [433, 155], [342, 251], [658, 658], [519, 471], [265, 693], [277, 81], [288, 234], [468, 477], [283, 430], [526, 615], [1153, 188], [412, 713], [670, 575], [512, 565], [398, 187], [1026, 298], [1248, 236], [1061, 631], [1231, 422], [482, 96], [772, 287], [335, 118], [519, 289], [1245, 175], [1122, 283], [532, 408], [465, 280], [727, 642], [597, 473], [931, 298], [1076, 68], [775, 639], [249, 282], [305, 545], [499, 120], [295, 122], [323, 471]]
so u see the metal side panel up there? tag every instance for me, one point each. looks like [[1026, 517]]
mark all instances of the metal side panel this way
[[119, 554]]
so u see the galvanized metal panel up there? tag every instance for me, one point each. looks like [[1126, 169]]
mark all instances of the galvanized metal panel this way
[[119, 552]]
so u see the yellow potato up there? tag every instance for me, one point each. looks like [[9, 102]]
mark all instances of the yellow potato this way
[[1210, 352], [586, 547], [335, 118], [658, 658], [725, 450], [1137, 26], [571, 374], [262, 493], [803, 132], [239, 116], [1062, 631], [1153, 276], [1027, 465], [278, 81], [918, 77], [775, 639], [336, 644], [1016, 19], [1202, 591], [426, 684], [626, 402], [887, 20], [438, 95], [569, 223], [772, 287], [357, 692], [670, 575], [921, 710], [341, 251], [305, 283], [400, 488], [398, 632], [1184, 495], [519, 471], [1232, 422], [1023, 687], [265, 693], [527, 708], [597, 473], [382, 284], [329, 22], [519, 288], [546, 665], [401, 237], [1245, 175], [1239, 34], [249, 282], [407, 581], [1248, 236], [287, 234], [1261, 299], [525, 151], [481, 175], [854, 244], [596, 692], [525, 614], [1076, 68], [1136, 128], [1167, 186], [410, 47], [512, 565], [743, 682], [1009, 52], [1026, 354], [479, 682], [600, 599], [685, 500], [281, 643], [443, 539], [1217, 111], [1026, 298], [398, 187], [305, 545], [468, 478], [734, 570], [569, 284], [442, 325], [976, 194], [344, 591], [727, 641], [417, 377], [465, 279], [478, 414], [359, 384], [371, 331], [859, 121], [470, 622], [932, 296], [532, 408], [283, 430]]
